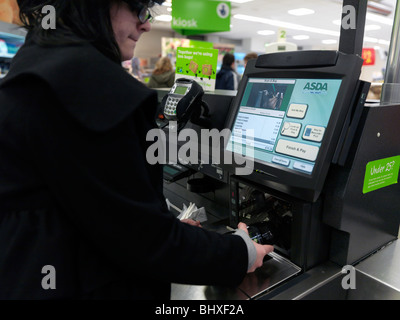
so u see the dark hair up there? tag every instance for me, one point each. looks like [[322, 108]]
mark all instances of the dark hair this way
[[228, 59], [77, 21]]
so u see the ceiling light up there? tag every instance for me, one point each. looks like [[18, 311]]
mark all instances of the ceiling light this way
[[163, 17], [301, 12], [240, 1], [384, 42], [372, 27], [286, 25], [369, 39], [329, 41], [266, 32], [301, 37], [378, 18]]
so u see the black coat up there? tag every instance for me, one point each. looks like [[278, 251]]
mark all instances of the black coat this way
[[77, 193], [226, 79]]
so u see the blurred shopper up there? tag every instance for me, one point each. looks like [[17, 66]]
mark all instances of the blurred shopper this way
[[249, 56], [227, 78], [163, 75], [375, 92], [136, 68]]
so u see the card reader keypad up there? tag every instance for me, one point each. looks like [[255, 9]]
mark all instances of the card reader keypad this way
[[170, 106]]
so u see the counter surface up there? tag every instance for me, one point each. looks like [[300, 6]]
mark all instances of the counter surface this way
[[384, 266], [377, 277]]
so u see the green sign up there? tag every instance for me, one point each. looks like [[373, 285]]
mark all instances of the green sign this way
[[200, 44], [381, 173], [191, 17], [169, 45], [198, 64]]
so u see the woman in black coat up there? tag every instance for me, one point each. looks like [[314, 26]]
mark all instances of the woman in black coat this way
[[82, 213]]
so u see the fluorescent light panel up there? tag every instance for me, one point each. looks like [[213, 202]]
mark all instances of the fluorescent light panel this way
[[298, 27], [329, 41], [372, 27], [163, 17], [240, 1], [301, 12], [266, 32], [378, 18], [301, 37], [287, 25]]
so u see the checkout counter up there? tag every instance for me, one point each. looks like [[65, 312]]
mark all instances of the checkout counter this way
[[324, 178]]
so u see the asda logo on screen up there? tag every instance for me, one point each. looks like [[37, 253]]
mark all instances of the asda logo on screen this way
[[316, 87]]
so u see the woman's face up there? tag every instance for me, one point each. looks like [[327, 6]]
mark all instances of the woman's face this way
[[127, 28]]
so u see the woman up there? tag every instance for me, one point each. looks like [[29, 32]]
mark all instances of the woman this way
[[227, 78], [82, 213], [163, 75]]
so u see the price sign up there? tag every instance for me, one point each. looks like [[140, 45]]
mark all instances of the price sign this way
[[381, 173], [368, 54]]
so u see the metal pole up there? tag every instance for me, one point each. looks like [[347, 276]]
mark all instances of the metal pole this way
[[391, 85]]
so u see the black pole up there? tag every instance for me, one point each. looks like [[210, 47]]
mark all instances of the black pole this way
[[352, 26]]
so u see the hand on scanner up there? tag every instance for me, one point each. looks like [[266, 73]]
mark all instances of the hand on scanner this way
[[262, 250]]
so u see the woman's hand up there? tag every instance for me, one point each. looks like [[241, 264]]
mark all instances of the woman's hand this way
[[192, 222], [262, 250]]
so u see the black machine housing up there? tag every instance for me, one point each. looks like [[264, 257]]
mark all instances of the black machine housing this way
[[314, 217], [307, 65]]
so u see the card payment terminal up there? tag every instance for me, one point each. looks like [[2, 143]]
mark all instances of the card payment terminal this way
[[182, 100]]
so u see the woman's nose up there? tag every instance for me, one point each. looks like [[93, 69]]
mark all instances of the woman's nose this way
[[146, 27]]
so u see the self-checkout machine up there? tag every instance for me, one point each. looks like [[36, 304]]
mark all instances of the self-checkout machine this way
[[324, 181]]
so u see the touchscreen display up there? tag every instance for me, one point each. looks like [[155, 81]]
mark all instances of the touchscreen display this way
[[288, 118]]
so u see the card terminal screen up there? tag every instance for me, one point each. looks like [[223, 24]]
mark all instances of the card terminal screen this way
[[180, 90]]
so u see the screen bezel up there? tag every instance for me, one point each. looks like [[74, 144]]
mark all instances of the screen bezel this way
[[303, 185]]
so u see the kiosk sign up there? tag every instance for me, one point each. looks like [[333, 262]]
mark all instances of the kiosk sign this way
[[381, 173], [191, 17]]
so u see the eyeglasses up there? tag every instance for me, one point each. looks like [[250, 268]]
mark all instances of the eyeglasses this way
[[144, 15], [143, 12]]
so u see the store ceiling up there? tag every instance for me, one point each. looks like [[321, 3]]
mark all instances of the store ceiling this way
[[275, 12]]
